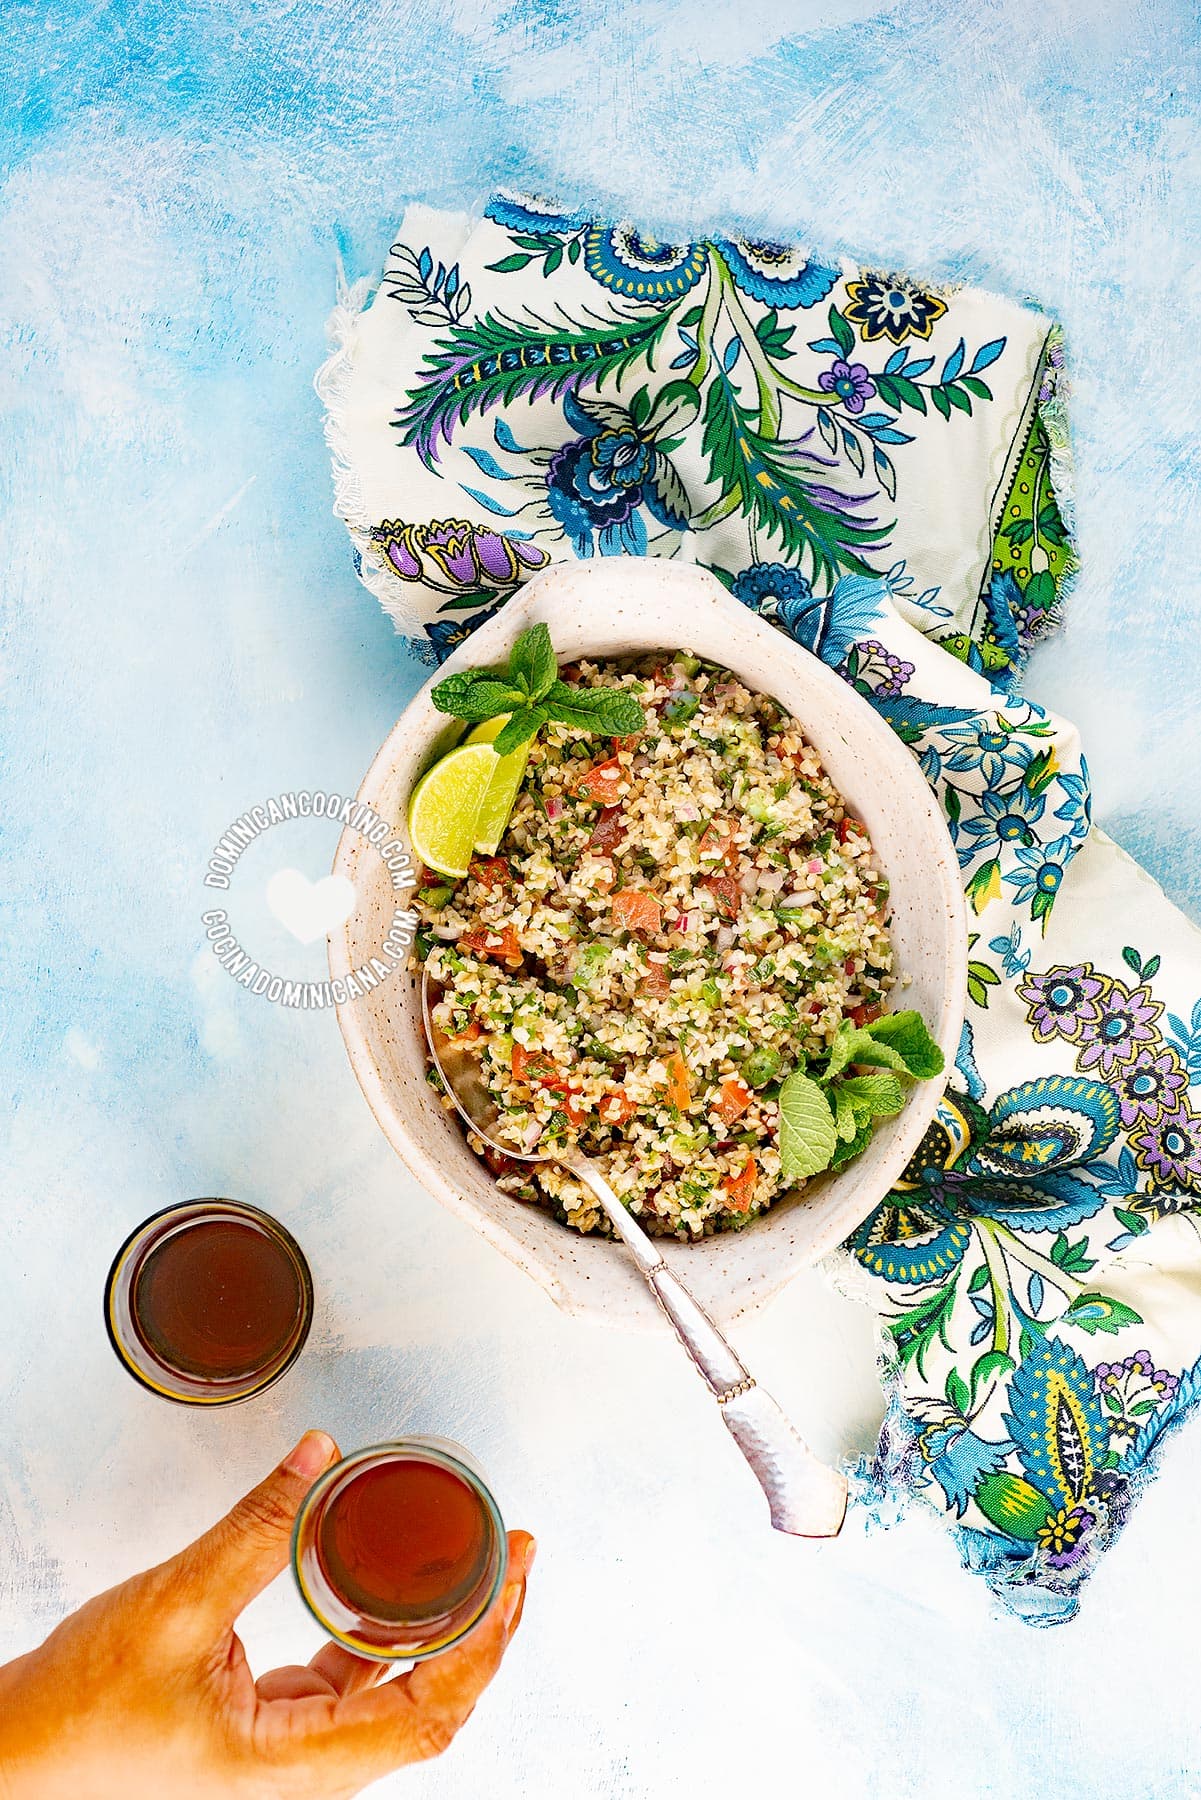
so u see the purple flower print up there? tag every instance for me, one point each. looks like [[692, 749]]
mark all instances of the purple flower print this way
[[1171, 1150], [1151, 1086], [881, 671], [850, 382], [1063, 1538], [450, 554], [1130, 1391], [1063, 1002], [1052, 369], [1125, 1021]]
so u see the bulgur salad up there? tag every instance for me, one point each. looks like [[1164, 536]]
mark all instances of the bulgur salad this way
[[680, 941]]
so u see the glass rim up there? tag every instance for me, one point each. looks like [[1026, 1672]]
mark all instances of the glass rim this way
[[242, 1208], [417, 1448]]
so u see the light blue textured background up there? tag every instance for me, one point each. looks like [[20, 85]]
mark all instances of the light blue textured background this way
[[182, 636]]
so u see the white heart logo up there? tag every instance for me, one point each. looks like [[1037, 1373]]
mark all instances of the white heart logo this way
[[310, 909]]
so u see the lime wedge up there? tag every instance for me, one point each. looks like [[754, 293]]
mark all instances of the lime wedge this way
[[445, 808], [489, 731], [506, 779]]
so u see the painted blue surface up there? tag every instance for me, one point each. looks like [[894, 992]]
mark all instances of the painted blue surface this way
[[182, 635]]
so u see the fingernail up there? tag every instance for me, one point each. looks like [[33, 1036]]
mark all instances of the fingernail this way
[[512, 1602], [531, 1551], [314, 1453]]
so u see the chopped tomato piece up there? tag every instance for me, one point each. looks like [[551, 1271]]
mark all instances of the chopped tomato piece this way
[[474, 1030], [656, 982], [741, 1187], [627, 743], [679, 1089], [603, 782], [567, 1092], [617, 1107], [609, 830], [848, 967], [534, 1067], [726, 892], [490, 871], [499, 1163], [863, 1015], [717, 843], [734, 1096], [530, 1065], [636, 910], [500, 944], [846, 826]]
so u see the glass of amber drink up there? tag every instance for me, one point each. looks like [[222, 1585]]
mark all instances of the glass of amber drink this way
[[209, 1302], [400, 1549]]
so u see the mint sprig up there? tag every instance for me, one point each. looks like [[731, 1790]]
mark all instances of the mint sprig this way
[[827, 1116], [531, 692]]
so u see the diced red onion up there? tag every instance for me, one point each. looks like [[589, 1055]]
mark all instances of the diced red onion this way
[[555, 808]]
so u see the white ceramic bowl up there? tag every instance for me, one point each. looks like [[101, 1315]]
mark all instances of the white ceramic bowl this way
[[612, 607]]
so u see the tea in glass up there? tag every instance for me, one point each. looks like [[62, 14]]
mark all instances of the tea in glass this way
[[209, 1302], [399, 1550]]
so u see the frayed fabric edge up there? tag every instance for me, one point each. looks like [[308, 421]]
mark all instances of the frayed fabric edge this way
[[332, 383], [332, 386], [1052, 409], [885, 1483]]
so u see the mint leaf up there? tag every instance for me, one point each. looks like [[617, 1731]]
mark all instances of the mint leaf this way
[[854, 1045], [876, 1096], [858, 1143], [476, 694], [612, 712], [845, 1039], [519, 728], [870, 1055], [532, 662], [807, 1134], [621, 714], [844, 1114], [906, 1035]]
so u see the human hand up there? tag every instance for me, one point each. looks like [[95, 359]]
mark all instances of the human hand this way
[[145, 1692]]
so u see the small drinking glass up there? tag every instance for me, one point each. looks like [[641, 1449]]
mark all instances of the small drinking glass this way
[[399, 1550], [209, 1302]]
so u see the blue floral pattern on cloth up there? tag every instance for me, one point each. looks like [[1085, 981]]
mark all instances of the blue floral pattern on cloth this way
[[600, 391]]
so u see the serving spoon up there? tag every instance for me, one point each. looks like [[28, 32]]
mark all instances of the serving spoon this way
[[806, 1498]]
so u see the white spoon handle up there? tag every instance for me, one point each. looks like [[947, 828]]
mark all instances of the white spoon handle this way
[[806, 1498]]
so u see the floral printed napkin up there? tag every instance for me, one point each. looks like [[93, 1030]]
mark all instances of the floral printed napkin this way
[[881, 468]]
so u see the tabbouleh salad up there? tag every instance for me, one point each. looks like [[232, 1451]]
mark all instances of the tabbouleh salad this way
[[673, 922]]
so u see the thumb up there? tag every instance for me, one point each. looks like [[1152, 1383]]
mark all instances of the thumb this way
[[223, 1571]]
